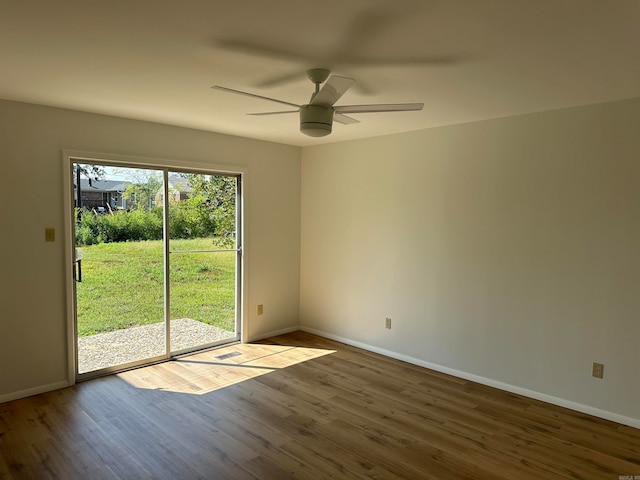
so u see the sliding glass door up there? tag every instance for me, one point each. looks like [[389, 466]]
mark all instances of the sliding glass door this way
[[203, 283], [156, 265]]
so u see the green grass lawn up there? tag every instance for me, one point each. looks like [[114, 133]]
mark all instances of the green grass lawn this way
[[123, 285]]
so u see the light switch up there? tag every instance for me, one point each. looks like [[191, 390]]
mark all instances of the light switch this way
[[49, 234]]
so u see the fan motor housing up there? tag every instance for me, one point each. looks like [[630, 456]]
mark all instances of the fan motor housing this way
[[316, 120]]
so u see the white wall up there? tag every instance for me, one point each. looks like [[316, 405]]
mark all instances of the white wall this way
[[32, 285], [507, 249]]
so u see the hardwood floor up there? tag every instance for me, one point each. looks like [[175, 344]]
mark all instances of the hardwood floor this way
[[301, 406]]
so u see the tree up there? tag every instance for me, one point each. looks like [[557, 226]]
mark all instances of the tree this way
[[92, 172], [209, 210], [219, 196], [142, 193]]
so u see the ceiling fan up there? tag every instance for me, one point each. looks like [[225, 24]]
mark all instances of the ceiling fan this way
[[316, 117], [348, 48]]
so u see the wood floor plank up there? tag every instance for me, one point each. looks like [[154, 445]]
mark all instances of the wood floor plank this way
[[299, 406]]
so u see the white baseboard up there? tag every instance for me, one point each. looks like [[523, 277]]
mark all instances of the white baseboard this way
[[275, 333], [596, 412], [7, 397]]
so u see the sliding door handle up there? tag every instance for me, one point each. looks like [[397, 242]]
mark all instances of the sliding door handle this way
[[77, 270]]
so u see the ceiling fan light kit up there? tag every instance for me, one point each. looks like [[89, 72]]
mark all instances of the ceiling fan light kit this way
[[315, 120], [316, 117]]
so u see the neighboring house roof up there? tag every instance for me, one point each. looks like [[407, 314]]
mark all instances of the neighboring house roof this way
[[103, 185], [179, 184]]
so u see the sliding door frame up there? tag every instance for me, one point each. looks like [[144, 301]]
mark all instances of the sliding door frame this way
[[69, 157]]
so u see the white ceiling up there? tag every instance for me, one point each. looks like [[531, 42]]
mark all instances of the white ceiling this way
[[465, 59]]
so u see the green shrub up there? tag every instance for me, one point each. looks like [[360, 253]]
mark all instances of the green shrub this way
[[190, 218], [118, 226]]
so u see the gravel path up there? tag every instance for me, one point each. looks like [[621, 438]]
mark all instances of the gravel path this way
[[137, 343]]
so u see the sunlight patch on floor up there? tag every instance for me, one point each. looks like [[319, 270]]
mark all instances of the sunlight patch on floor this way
[[208, 371]]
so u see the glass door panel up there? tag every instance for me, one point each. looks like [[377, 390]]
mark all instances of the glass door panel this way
[[119, 268], [203, 260]]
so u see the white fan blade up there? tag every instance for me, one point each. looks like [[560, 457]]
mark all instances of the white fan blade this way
[[273, 113], [380, 107], [240, 92], [332, 90], [338, 117]]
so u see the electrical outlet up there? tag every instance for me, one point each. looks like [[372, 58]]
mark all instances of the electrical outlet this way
[[387, 323], [598, 370], [260, 309], [49, 234]]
